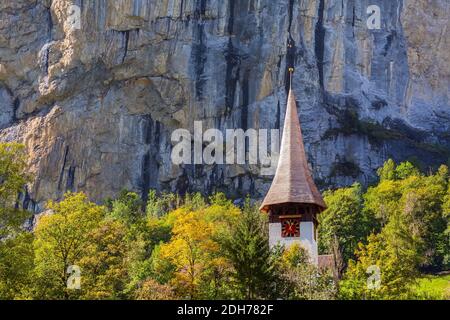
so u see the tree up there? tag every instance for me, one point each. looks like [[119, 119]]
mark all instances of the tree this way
[[190, 250], [416, 202], [16, 265], [247, 249], [421, 214], [446, 215], [104, 263], [151, 289], [406, 169], [192, 259], [381, 201], [127, 207], [299, 279], [159, 205], [61, 240], [391, 171], [396, 268], [16, 253], [144, 238], [411, 208], [387, 171], [344, 223], [13, 178]]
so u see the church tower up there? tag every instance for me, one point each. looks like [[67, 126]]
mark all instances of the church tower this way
[[293, 200]]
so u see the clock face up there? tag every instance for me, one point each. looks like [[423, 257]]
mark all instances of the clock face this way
[[290, 228]]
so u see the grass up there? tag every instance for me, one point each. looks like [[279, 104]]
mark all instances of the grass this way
[[434, 287]]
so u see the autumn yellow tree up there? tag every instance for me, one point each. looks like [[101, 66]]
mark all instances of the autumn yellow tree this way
[[62, 237], [193, 249], [104, 263]]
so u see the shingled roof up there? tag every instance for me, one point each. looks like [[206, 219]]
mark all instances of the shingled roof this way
[[293, 182]]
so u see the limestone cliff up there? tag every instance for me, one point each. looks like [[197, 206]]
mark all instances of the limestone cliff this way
[[96, 105]]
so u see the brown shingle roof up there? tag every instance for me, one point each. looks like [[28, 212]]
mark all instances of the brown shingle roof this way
[[292, 182]]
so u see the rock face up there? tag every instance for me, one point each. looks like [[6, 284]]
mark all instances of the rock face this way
[[96, 105]]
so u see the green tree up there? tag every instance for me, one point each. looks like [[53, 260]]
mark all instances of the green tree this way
[[61, 240], [159, 205], [143, 233], [387, 171], [127, 207], [416, 202], [344, 223], [446, 216], [405, 170], [16, 254], [16, 266], [247, 249], [396, 266], [13, 177]]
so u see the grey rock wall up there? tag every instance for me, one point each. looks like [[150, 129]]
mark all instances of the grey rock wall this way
[[96, 106]]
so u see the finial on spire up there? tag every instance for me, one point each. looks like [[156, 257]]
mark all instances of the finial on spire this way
[[291, 71]]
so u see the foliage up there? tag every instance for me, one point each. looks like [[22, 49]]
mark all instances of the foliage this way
[[299, 279], [192, 247], [13, 178], [151, 289], [344, 223], [158, 206], [415, 203], [143, 233], [62, 238], [396, 266], [16, 265], [247, 249], [446, 216], [193, 252], [127, 207], [411, 209], [104, 262]]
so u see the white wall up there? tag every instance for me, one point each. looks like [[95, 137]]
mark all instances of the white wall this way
[[306, 239]]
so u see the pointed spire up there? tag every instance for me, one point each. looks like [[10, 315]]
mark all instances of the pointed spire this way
[[293, 182]]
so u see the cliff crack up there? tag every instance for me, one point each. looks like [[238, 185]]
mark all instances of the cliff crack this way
[[291, 53], [127, 39], [61, 174], [70, 179], [290, 13], [319, 45], [232, 75]]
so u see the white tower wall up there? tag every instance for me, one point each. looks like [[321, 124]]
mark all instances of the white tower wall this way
[[306, 239]]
